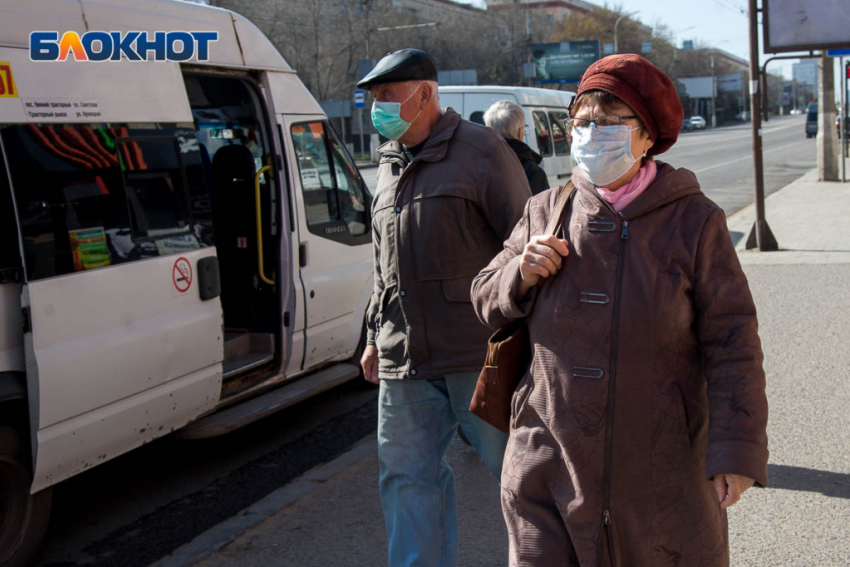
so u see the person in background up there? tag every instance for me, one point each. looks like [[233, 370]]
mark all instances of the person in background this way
[[508, 119], [449, 193], [643, 416]]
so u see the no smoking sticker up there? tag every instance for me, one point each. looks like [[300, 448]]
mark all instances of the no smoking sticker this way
[[181, 275]]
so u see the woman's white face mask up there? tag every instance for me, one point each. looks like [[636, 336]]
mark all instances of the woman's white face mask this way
[[603, 156]]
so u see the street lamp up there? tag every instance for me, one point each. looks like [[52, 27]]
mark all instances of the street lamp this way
[[393, 28], [713, 88], [617, 23]]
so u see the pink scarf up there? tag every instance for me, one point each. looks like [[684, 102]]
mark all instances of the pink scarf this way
[[620, 198]]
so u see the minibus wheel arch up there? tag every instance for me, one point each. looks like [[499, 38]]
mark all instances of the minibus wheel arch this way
[[25, 516]]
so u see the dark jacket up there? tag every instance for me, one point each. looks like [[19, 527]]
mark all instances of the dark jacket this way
[[646, 380], [530, 161], [437, 221]]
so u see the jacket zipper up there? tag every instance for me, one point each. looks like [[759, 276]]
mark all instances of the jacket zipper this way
[[612, 378]]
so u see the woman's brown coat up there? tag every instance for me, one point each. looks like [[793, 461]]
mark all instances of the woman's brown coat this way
[[646, 381]]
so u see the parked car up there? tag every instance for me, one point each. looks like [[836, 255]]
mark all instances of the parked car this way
[[812, 120], [687, 125], [698, 122], [744, 116], [796, 111]]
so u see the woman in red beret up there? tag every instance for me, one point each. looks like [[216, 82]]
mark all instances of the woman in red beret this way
[[643, 415]]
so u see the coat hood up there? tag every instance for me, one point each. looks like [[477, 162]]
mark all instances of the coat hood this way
[[670, 185]]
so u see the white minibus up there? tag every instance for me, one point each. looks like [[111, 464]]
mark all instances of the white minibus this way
[[183, 245], [545, 111]]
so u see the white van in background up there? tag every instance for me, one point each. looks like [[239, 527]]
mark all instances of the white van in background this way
[[187, 249], [545, 111]]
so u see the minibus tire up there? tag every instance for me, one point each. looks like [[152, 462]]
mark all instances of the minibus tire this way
[[23, 516]]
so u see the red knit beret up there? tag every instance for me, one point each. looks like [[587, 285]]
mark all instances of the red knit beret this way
[[642, 86]]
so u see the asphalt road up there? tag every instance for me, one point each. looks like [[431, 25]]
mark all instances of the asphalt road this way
[[722, 159], [136, 508]]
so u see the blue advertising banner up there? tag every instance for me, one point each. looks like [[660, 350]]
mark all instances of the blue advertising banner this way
[[563, 62]]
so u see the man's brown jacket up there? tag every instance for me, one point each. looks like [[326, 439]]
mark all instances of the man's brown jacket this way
[[437, 221]]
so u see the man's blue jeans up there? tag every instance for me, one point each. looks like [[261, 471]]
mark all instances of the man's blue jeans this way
[[416, 422]]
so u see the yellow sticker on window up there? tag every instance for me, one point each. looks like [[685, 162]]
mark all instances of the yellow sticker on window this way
[[7, 81]]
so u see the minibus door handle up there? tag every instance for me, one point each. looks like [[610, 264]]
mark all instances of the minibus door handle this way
[[302, 255]]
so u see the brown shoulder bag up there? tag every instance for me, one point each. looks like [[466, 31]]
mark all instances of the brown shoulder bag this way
[[509, 349]]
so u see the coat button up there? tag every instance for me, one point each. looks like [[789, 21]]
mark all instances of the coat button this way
[[398, 209], [413, 372], [403, 293]]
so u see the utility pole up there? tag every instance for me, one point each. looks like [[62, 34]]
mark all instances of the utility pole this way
[[528, 38], [617, 23], [760, 236], [713, 90], [843, 115], [826, 142]]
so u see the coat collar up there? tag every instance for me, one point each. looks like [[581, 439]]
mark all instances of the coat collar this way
[[435, 146], [523, 151], [670, 185]]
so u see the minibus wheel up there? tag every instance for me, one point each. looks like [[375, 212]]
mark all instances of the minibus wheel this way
[[23, 516]]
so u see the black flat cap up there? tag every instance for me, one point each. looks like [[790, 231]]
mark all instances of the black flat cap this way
[[399, 66]]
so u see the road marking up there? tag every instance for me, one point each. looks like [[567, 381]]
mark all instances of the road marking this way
[[746, 157], [685, 143]]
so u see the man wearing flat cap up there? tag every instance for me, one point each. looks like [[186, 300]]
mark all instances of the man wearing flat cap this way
[[449, 193]]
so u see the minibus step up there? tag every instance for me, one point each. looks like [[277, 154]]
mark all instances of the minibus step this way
[[251, 410]]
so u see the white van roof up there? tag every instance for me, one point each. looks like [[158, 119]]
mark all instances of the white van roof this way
[[134, 91], [524, 96], [240, 43]]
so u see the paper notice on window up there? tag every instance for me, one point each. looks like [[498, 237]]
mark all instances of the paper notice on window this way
[[54, 109], [310, 179], [177, 244]]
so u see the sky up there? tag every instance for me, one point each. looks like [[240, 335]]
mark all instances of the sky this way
[[714, 23]]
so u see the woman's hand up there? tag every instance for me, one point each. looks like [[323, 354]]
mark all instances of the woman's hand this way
[[542, 257], [730, 487]]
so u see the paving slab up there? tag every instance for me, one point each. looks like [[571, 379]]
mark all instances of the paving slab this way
[[341, 523]]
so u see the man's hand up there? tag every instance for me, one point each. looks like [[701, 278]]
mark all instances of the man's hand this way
[[542, 257], [369, 363], [730, 487]]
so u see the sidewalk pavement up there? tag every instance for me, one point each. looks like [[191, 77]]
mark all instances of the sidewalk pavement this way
[[333, 517]]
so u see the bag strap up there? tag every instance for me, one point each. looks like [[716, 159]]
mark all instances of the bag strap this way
[[556, 219]]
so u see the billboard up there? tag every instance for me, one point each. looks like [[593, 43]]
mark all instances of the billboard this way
[[804, 25], [563, 62], [730, 83], [697, 87]]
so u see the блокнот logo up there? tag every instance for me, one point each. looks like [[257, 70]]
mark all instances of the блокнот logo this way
[[112, 46]]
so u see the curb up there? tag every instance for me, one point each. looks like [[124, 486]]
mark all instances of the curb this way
[[741, 215], [229, 530]]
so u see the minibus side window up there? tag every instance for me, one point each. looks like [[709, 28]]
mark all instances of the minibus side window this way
[[559, 136], [541, 131], [477, 117], [335, 202], [155, 187], [10, 256], [97, 195], [353, 204]]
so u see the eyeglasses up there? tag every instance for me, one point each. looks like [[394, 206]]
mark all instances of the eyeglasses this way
[[607, 124]]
